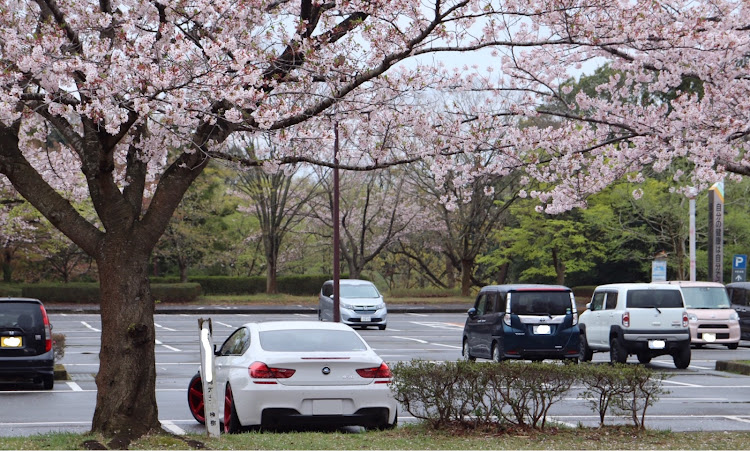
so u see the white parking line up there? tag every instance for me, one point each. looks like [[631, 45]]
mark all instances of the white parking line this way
[[171, 348], [170, 426], [225, 325], [412, 339], [447, 346], [439, 325], [417, 314], [681, 383], [744, 420], [73, 386], [90, 326], [165, 328]]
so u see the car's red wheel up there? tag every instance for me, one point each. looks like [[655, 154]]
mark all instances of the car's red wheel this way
[[195, 399], [231, 421]]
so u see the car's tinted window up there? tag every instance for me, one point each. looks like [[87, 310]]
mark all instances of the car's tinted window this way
[[654, 298], [540, 302], [705, 297], [481, 304], [237, 343], [358, 291], [26, 315], [597, 302], [311, 340], [739, 296], [611, 303], [327, 289]]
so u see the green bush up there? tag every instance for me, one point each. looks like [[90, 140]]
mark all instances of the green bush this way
[[426, 292], [10, 291], [88, 293], [212, 285], [471, 394]]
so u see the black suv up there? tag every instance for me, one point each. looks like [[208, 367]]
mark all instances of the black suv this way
[[26, 353], [533, 322]]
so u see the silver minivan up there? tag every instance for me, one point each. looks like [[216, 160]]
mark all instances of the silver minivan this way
[[360, 304]]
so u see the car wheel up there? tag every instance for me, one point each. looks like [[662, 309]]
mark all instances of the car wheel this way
[[617, 352], [682, 357], [498, 351], [195, 398], [465, 352], [48, 381], [644, 357], [586, 353], [231, 421], [732, 345], [320, 315], [382, 327], [386, 426]]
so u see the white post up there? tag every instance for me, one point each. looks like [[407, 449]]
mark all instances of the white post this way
[[208, 378], [692, 193]]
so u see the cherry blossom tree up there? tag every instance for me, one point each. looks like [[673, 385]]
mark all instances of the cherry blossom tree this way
[[126, 102]]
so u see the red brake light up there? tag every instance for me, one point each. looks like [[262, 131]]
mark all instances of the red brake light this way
[[259, 370], [378, 372], [626, 319], [47, 330], [685, 319]]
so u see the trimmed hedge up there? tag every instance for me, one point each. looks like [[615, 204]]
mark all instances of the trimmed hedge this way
[[88, 293], [302, 285]]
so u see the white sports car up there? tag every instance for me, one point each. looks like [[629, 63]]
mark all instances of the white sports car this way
[[304, 373]]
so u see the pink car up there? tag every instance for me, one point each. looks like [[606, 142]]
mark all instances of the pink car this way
[[712, 319]]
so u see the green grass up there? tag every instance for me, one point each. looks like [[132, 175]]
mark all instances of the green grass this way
[[413, 437]]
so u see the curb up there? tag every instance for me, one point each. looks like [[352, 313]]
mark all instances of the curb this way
[[733, 366]]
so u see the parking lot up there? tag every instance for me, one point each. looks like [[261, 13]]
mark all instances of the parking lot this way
[[699, 397]]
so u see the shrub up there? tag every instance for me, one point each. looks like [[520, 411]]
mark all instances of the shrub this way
[[439, 393], [473, 394], [88, 293], [643, 389]]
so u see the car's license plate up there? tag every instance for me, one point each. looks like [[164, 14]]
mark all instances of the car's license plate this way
[[710, 338], [365, 319], [542, 329], [11, 342], [656, 344], [327, 407]]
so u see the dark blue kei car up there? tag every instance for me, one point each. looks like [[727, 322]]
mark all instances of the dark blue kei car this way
[[531, 322]]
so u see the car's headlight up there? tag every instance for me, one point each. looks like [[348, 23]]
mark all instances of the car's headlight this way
[[380, 306], [692, 317], [346, 306], [734, 316]]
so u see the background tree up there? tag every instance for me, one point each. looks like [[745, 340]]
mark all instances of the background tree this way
[[374, 212], [546, 248], [278, 197], [198, 226]]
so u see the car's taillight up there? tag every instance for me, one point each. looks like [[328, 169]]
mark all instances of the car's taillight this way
[[626, 319], [685, 319], [47, 330], [378, 372], [259, 370]]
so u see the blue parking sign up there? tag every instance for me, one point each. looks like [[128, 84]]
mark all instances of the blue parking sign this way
[[739, 261]]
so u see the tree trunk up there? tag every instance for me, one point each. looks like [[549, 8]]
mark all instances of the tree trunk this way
[[7, 267], [126, 396], [271, 284], [466, 268], [502, 273], [183, 270]]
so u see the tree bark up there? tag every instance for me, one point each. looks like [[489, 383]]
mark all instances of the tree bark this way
[[126, 382], [466, 268]]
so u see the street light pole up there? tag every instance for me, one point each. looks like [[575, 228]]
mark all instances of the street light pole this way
[[336, 225]]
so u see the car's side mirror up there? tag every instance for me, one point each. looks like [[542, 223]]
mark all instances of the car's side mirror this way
[[588, 306], [216, 350], [472, 312]]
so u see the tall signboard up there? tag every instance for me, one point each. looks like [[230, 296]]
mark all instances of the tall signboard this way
[[716, 232], [739, 268]]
